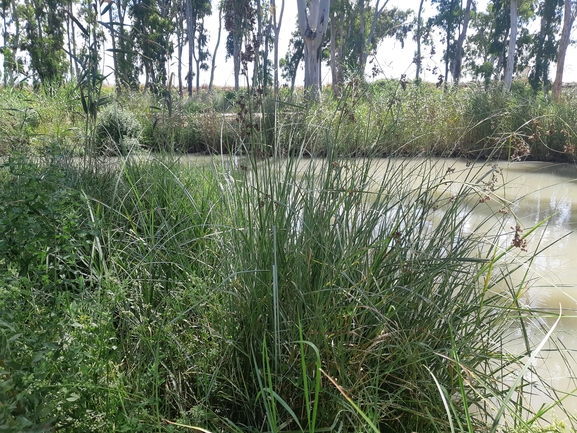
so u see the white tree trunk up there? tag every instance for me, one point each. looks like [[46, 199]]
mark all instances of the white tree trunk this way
[[418, 57], [213, 64], [512, 44], [190, 30], [568, 19], [460, 42], [277, 22], [313, 26]]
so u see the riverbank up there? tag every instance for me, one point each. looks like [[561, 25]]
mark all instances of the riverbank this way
[[288, 295], [380, 119]]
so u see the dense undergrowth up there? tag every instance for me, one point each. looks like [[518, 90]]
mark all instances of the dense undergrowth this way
[[243, 293], [382, 118]]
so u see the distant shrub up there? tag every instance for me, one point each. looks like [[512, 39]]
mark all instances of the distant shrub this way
[[178, 133], [117, 131]]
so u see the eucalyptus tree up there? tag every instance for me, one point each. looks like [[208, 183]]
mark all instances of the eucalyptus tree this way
[[337, 73], [545, 44], [313, 22], [265, 41], [418, 59], [499, 14], [392, 22], [520, 12], [276, 22], [195, 11], [44, 40], [569, 14], [151, 31], [179, 26], [213, 62], [447, 20], [352, 39], [509, 66], [492, 43], [201, 54], [121, 40], [479, 59], [239, 21], [294, 55], [12, 65], [458, 60], [6, 52], [258, 43]]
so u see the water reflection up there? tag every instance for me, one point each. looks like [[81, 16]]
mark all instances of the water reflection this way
[[543, 192]]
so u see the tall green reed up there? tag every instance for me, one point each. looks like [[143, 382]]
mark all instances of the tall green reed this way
[[385, 271]]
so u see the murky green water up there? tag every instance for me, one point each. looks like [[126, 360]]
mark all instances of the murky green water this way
[[546, 194]]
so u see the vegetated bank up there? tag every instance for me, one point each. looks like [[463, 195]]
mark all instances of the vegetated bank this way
[[370, 119], [278, 295]]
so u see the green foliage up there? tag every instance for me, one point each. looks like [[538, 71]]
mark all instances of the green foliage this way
[[531, 127], [31, 122], [151, 31], [289, 293], [40, 228], [117, 131], [545, 44], [45, 42]]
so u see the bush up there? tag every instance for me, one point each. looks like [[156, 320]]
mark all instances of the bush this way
[[117, 132]]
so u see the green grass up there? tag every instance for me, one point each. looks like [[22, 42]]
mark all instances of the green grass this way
[[383, 119], [260, 292], [302, 294]]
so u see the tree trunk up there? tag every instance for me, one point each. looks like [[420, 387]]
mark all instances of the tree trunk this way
[[8, 67], [312, 77], [114, 52], [277, 26], [213, 64], [335, 83], [368, 45], [256, 78], [512, 44], [190, 30], [16, 40], [180, 39], [362, 60], [460, 42], [180, 42], [198, 56], [418, 56], [568, 19], [313, 26], [197, 66], [236, 42]]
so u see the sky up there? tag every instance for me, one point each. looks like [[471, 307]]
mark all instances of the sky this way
[[391, 57]]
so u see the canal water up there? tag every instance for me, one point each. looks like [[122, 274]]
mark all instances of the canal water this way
[[533, 194]]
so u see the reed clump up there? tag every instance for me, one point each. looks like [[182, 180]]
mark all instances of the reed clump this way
[[296, 283]]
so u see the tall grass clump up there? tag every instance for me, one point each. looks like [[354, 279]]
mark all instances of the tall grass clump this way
[[359, 296]]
